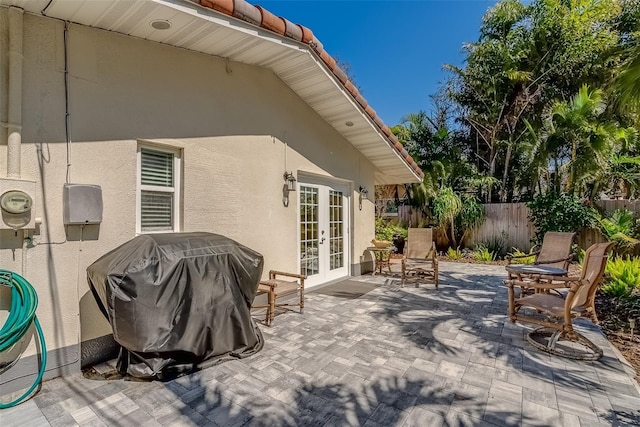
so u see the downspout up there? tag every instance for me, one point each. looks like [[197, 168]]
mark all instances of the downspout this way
[[14, 110]]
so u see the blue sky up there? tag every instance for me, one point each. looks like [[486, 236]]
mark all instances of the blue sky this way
[[396, 49]]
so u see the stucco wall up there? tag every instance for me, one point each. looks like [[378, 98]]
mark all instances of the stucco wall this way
[[231, 122]]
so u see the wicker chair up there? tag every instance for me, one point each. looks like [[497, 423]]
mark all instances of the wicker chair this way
[[276, 287], [420, 258], [557, 322]]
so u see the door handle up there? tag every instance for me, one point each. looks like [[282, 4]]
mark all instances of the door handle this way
[[321, 241]]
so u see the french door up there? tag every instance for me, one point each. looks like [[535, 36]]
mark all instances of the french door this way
[[324, 239]]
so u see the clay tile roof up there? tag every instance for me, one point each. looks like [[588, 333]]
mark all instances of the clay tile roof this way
[[259, 16]]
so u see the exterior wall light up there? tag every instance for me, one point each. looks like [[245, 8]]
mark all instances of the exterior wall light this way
[[289, 185], [363, 196]]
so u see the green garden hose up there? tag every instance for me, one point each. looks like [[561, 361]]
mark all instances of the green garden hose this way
[[24, 302]]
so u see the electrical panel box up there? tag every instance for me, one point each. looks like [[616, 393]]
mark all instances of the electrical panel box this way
[[82, 204]]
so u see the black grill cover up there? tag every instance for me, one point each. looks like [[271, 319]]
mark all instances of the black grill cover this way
[[178, 302]]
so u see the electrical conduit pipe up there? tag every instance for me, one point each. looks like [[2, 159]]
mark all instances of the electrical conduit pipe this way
[[14, 98]]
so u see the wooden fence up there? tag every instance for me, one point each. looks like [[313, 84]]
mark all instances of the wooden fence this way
[[507, 221], [510, 221]]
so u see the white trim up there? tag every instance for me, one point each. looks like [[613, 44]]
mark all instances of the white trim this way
[[175, 190]]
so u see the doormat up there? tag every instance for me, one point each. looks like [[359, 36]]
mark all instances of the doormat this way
[[348, 289]]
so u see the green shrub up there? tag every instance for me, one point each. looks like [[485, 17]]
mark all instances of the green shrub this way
[[470, 217], [560, 212], [386, 230], [446, 205], [496, 245], [482, 253], [621, 226], [623, 277], [615, 288], [526, 259], [454, 253]]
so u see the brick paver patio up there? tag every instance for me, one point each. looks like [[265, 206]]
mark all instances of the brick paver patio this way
[[392, 356]]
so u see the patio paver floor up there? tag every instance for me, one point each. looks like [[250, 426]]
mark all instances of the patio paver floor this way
[[393, 356]]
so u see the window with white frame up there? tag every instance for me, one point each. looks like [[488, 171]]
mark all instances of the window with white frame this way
[[158, 189]]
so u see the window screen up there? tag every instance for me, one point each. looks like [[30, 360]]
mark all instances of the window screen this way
[[157, 190]]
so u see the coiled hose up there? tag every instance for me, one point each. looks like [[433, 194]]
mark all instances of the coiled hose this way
[[24, 302]]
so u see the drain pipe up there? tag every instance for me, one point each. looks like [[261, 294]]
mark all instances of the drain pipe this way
[[14, 116]]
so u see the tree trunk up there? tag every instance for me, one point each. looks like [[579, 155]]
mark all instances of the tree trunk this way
[[453, 234], [505, 175], [492, 172]]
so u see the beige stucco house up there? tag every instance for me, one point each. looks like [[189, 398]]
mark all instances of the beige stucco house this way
[[176, 116]]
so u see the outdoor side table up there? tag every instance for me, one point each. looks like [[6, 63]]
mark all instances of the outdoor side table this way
[[529, 269], [381, 258], [522, 271]]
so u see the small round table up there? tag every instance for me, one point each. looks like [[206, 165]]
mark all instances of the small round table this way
[[529, 269], [380, 257]]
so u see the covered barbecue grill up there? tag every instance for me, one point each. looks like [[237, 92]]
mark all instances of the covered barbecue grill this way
[[178, 301]]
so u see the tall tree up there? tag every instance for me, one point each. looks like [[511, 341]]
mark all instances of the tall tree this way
[[494, 89], [526, 58]]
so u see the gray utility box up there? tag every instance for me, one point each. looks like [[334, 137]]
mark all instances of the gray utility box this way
[[82, 204]]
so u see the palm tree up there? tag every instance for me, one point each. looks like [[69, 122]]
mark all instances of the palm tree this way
[[434, 147], [578, 138], [415, 133], [628, 81], [623, 175]]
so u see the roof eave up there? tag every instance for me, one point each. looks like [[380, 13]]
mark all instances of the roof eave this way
[[241, 32]]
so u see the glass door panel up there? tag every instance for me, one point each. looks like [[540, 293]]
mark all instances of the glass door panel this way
[[309, 257], [336, 237]]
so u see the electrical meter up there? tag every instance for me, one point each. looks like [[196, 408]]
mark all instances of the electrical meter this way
[[16, 202], [15, 206]]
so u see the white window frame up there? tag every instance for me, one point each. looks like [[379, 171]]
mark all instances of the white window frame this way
[[175, 190]]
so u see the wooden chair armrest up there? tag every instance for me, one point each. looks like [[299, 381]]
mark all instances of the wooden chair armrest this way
[[274, 273], [565, 282], [537, 285]]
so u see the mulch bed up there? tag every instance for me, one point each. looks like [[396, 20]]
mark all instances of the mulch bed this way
[[613, 320], [629, 347]]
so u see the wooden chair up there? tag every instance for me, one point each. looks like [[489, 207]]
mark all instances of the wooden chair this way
[[420, 258], [557, 323], [555, 251], [276, 287]]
